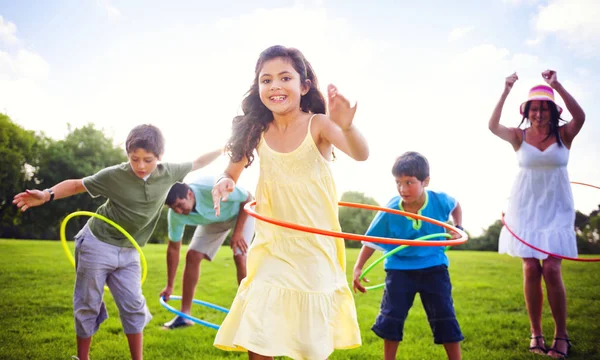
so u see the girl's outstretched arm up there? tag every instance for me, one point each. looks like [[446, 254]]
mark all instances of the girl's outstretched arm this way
[[339, 129], [225, 183], [503, 132], [572, 128]]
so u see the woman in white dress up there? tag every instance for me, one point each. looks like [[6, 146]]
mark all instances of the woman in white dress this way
[[541, 209]]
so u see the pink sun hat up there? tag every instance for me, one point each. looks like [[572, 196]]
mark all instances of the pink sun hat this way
[[540, 92]]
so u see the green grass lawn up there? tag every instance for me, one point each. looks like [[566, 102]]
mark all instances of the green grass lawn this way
[[36, 322]]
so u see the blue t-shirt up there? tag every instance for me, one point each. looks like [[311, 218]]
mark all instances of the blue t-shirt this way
[[438, 206], [204, 210]]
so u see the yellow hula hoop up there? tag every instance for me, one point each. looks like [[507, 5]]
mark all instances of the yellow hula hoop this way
[[63, 238]]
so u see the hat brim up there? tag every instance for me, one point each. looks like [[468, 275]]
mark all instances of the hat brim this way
[[522, 107]]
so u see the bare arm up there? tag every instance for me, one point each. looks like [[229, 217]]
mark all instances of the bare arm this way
[[173, 249], [206, 159], [226, 183], [237, 236], [574, 126], [339, 130], [503, 132], [33, 198], [456, 219], [457, 215], [350, 140], [364, 255]]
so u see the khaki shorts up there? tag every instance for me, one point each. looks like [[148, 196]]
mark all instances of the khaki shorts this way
[[209, 238], [99, 263]]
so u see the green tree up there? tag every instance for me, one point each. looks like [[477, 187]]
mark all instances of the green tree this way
[[356, 221], [18, 157], [83, 152], [488, 241]]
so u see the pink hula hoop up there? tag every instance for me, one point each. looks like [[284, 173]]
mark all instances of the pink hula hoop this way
[[547, 252]]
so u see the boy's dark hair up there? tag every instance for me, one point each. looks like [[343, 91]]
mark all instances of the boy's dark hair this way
[[555, 120], [411, 163], [177, 191], [147, 137]]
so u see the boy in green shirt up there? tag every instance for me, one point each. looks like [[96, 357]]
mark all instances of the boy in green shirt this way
[[136, 191]]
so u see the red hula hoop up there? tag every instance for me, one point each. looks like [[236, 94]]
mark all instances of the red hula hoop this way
[[464, 237]]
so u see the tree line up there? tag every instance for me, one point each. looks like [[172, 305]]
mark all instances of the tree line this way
[[34, 160]]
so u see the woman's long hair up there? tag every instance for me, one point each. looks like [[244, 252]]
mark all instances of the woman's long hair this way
[[247, 128], [555, 120]]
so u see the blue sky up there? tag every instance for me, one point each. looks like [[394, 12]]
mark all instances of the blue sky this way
[[426, 76]]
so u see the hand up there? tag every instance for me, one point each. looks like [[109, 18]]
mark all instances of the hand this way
[[550, 77], [29, 199], [356, 285], [340, 111], [220, 192], [510, 81], [166, 292], [454, 235], [238, 242]]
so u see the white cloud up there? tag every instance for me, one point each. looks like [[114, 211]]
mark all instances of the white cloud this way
[[459, 32], [23, 74], [519, 2], [535, 41], [8, 32], [576, 22], [111, 11], [23, 64]]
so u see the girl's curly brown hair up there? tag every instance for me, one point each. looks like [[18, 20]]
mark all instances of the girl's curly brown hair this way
[[247, 128]]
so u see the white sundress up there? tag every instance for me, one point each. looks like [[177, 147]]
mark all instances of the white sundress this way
[[540, 209]]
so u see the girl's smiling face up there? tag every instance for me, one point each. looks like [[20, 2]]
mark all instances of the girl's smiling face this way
[[280, 86]]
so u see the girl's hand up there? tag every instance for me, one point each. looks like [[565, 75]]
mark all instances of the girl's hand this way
[[510, 81], [356, 285], [340, 111], [550, 77], [29, 199], [220, 192]]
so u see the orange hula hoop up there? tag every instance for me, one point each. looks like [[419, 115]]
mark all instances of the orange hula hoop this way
[[547, 252], [349, 236]]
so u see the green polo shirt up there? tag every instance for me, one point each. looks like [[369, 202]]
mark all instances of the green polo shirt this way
[[133, 203]]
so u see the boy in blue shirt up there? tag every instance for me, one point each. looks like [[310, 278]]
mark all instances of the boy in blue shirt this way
[[136, 191], [413, 270], [192, 204]]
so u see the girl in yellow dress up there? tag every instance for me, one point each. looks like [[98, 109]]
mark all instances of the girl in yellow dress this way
[[295, 300]]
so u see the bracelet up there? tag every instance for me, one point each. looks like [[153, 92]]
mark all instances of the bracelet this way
[[459, 227], [51, 194], [223, 176]]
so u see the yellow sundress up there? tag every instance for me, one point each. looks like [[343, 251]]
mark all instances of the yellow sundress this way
[[295, 300]]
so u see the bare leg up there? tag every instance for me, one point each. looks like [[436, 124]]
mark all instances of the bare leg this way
[[83, 348], [390, 348], [453, 350], [534, 299], [191, 274], [557, 298], [136, 342], [253, 356], [240, 265]]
